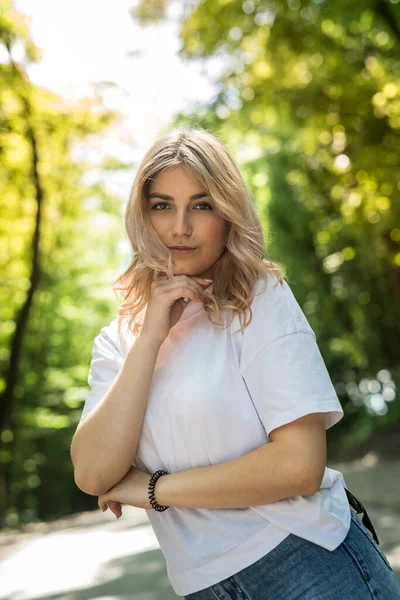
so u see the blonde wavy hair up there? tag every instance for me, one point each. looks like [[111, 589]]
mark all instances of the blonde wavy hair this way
[[243, 261]]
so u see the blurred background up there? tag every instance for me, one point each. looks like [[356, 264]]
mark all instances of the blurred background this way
[[306, 95]]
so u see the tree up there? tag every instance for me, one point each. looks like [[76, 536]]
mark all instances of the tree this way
[[58, 240], [308, 99]]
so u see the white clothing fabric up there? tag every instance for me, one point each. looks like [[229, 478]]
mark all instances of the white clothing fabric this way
[[216, 395]]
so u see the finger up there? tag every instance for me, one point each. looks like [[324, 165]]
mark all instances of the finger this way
[[195, 285], [115, 508], [199, 283], [198, 288], [190, 284]]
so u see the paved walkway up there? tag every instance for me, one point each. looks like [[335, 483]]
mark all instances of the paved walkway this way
[[94, 555]]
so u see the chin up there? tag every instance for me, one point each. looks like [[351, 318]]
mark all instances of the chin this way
[[187, 273], [181, 272], [190, 271]]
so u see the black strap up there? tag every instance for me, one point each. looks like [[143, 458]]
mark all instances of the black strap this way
[[359, 508]]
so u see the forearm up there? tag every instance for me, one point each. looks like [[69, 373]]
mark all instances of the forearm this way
[[263, 476], [105, 443]]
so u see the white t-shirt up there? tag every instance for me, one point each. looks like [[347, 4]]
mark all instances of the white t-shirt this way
[[216, 395]]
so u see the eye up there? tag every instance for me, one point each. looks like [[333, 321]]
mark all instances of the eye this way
[[204, 204], [154, 207], [158, 204]]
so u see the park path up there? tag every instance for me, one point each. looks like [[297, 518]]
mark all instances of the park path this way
[[93, 555]]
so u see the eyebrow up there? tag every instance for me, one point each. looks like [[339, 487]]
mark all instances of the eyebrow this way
[[171, 198]]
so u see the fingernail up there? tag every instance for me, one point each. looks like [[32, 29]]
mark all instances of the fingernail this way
[[209, 280]]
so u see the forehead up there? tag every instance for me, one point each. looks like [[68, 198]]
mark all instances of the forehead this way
[[175, 176]]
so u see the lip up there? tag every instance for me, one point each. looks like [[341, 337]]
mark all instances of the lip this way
[[183, 250]]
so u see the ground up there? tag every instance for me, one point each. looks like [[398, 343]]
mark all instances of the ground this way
[[94, 555]]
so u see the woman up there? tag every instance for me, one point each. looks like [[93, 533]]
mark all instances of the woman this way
[[210, 400]]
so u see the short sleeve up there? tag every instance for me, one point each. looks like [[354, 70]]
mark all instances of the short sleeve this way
[[281, 364], [288, 379], [104, 367]]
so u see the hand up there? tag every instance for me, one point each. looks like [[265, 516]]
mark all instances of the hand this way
[[115, 507], [164, 293], [133, 489]]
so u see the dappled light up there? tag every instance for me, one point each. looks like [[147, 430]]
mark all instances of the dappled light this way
[[306, 97]]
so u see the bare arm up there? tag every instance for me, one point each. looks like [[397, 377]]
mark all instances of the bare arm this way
[[105, 442], [265, 475], [292, 464]]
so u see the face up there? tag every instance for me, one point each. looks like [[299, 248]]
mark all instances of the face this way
[[187, 218]]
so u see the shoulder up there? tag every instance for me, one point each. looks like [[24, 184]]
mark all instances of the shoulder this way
[[275, 303], [110, 340], [275, 313]]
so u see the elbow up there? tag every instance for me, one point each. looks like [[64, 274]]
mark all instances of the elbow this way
[[92, 485], [83, 480], [309, 490], [311, 484], [88, 482], [86, 485]]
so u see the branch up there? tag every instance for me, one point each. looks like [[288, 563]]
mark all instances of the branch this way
[[11, 376]]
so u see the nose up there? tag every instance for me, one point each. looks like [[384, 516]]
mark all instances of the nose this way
[[181, 224]]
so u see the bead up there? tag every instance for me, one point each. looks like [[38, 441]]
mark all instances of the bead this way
[[153, 480]]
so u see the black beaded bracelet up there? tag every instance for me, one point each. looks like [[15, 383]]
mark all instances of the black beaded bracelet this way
[[152, 484]]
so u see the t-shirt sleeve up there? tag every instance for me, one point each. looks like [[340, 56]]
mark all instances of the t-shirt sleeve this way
[[104, 367], [281, 364]]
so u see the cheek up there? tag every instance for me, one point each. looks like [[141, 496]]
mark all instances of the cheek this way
[[215, 229], [157, 224]]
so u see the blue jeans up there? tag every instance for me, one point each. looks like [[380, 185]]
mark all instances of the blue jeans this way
[[297, 568]]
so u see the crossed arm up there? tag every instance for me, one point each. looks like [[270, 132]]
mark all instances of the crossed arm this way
[[292, 464]]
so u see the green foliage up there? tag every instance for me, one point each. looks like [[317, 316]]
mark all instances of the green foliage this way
[[149, 12], [45, 149], [308, 100]]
